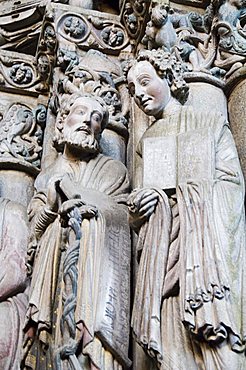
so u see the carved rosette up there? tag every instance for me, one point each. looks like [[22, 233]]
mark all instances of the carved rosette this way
[[20, 72], [89, 30]]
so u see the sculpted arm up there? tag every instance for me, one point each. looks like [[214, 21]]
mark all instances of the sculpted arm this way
[[43, 207], [141, 204]]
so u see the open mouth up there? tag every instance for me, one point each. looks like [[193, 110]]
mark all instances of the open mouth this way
[[83, 129], [145, 102]]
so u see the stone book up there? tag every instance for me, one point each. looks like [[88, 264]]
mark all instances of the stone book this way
[[175, 159]]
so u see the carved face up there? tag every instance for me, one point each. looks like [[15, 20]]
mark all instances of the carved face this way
[[85, 116], [83, 124], [150, 92]]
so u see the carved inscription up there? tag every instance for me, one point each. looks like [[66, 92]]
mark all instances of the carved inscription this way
[[113, 325], [196, 155], [159, 158], [172, 159]]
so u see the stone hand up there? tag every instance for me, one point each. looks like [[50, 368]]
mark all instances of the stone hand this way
[[141, 204], [87, 211], [52, 193], [68, 206]]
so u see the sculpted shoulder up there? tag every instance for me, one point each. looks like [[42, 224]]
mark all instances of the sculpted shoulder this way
[[114, 168], [44, 176]]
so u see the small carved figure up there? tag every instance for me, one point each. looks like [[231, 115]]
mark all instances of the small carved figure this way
[[21, 134], [130, 18], [49, 38], [189, 309], [172, 32], [79, 298], [43, 67]]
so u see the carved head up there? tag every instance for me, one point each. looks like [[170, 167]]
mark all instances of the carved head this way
[[81, 120], [159, 15], [153, 78]]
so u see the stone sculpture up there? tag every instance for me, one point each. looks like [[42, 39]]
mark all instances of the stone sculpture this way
[[226, 21], [189, 306], [78, 316], [13, 282]]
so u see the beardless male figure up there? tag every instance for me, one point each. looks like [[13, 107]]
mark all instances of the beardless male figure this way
[[191, 224]]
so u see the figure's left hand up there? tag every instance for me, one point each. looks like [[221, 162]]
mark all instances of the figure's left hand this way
[[86, 211], [68, 206]]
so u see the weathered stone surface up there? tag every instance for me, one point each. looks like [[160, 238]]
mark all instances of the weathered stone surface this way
[[182, 286], [13, 282], [50, 51], [80, 237], [237, 114]]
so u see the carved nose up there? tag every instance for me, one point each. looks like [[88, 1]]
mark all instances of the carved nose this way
[[139, 93], [87, 119]]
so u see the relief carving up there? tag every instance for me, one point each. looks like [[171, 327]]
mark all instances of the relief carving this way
[[88, 30], [191, 222], [13, 282], [13, 15], [80, 238], [21, 136], [226, 21], [188, 213], [134, 17]]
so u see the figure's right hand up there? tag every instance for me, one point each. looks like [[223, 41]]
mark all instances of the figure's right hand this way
[[141, 204], [52, 193]]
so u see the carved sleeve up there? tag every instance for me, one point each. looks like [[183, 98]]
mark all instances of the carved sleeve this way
[[39, 215]]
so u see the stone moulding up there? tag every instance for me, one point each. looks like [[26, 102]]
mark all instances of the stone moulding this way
[[89, 29], [195, 3], [134, 16]]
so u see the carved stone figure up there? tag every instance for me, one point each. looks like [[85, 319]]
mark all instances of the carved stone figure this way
[[226, 19], [21, 135], [78, 313], [13, 282], [189, 307], [172, 32]]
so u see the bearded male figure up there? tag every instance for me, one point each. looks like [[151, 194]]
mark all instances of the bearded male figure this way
[[189, 307], [78, 315]]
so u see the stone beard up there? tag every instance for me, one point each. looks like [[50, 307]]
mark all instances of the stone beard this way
[[85, 141], [80, 228]]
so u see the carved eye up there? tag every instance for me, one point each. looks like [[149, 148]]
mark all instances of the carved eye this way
[[97, 117], [144, 82]]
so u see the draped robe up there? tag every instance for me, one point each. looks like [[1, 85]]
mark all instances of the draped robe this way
[[191, 283], [13, 282], [103, 265]]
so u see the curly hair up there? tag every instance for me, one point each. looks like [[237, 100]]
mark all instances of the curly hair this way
[[166, 66], [65, 108]]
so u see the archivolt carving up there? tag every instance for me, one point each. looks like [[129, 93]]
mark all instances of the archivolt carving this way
[[13, 14], [88, 31]]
